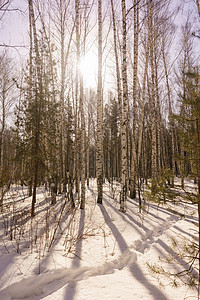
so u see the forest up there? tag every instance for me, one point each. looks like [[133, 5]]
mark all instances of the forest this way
[[101, 100]]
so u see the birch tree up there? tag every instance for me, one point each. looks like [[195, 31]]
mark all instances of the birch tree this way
[[125, 108], [99, 147], [80, 79], [63, 15], [153, 103], [134, 168], [143, 95], [117, 68], [171, 121]]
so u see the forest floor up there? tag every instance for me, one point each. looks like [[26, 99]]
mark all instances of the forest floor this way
[[99, 253]]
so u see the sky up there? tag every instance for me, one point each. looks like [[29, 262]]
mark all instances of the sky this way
[[14, 28], [14, 32]]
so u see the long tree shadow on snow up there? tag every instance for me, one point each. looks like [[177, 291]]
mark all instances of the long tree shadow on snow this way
[[132, 221], [134, 268], [182, 264], [71, 287], [64, 224], [191, 219], [153, 290], [192, 236], [134, 202]]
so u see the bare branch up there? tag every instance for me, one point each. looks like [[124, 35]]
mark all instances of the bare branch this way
[[132, 7], [12, 9], [198, 7], [13, 46], [3, 5]]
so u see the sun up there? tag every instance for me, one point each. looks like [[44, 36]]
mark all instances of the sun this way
[[89, 69]]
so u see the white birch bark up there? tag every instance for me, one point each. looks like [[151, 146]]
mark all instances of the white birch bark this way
[[141, 126], [153, 104], [88, 151], [3, 123], [77, 175], [80, 79], [134, 168], [62, 92], [158, 116], [171, 122], [99, 148], [125, 106], [119, 89], [83, 156]]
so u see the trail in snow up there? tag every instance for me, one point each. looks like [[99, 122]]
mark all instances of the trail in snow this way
[[148, 236], [152, 236], [39, 285]]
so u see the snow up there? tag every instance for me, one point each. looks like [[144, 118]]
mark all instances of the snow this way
[[98, 253]]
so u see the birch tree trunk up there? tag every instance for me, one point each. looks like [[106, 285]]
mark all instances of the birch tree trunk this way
[[171, 122], [198, 161], [30, 87], [2, 139], [141, 125], [134, 168], [88, 151], [158, 114], [80, 79], [125, 106], [99, 153], [153, 103], [76, 173], [62, 93], [3, 123], [119, 90], [83, 156]]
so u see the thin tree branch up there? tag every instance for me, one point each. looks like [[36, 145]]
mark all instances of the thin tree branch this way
[[3, 5], [129, 10], [13, 46], [12, 9]]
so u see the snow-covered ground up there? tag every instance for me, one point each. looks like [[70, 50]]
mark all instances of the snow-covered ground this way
[[98, 253]]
